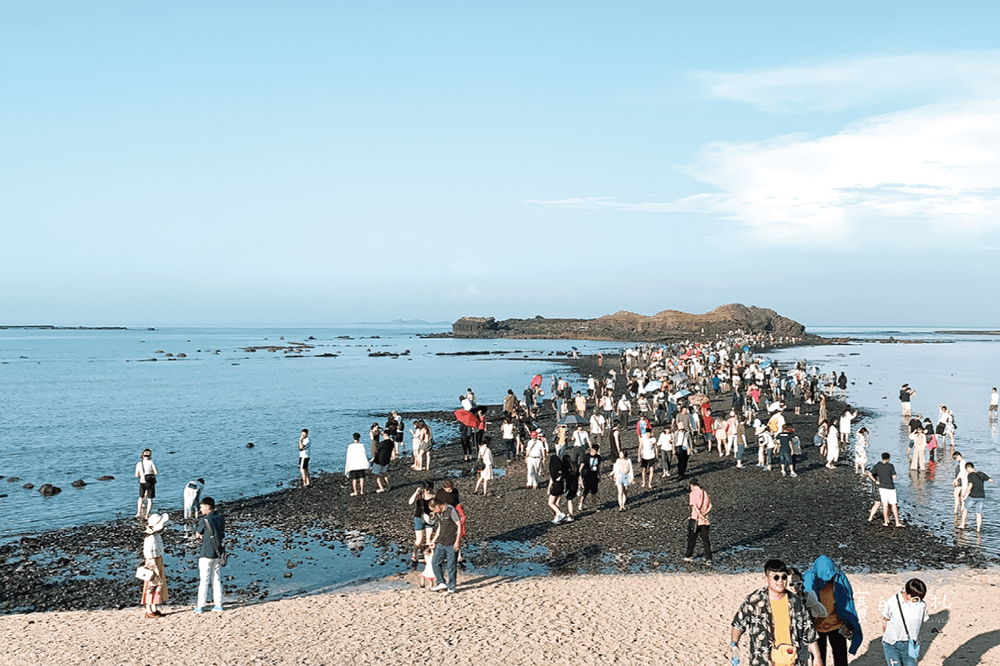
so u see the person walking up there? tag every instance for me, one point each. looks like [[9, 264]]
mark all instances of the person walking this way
[[211, 530], [699, 522], [154, 590], [833, 589], [304, 457], [446, 543], [534, 452], [778, 623], [884, 473], [622, 473], [146, 472], [484, 465], [974, 497], [902, 617], [590, 475]]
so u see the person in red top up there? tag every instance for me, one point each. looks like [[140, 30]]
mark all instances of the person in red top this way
[[642, 426]]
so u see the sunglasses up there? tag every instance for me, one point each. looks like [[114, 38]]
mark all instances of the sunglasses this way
[[778, 577]]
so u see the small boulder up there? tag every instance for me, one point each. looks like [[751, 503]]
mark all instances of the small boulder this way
[[106, 477], [250, 445], [288, 574], [28, 486], [79, 483], [13, 479], [30, 543], [48, 490]]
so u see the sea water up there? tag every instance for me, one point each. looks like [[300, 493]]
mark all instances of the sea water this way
[[957, 370], [80, 404]]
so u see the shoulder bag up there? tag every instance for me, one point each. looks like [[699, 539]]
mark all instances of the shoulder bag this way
[[220, 551], [912, 644]]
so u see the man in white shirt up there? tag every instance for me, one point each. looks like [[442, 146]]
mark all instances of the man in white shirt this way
[[192, 493]]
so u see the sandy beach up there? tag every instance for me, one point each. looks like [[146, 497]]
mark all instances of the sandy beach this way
[[673, 618]]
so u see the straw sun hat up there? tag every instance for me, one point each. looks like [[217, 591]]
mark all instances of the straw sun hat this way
[[156, 522]]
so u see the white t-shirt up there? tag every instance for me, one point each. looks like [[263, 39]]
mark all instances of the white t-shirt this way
[[995, 399], [304, 451], [507, 430], [145, 468], [665, 442], [647, 448], [914, 613]]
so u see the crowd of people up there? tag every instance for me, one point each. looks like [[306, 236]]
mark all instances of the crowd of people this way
[[664, 395]]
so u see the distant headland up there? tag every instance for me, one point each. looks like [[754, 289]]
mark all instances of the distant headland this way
[[46, 327], [630, 327]]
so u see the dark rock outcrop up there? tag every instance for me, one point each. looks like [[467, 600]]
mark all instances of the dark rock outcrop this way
[[628, 326], [48, 490]]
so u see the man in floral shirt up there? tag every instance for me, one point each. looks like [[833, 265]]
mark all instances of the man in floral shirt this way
[[779, 625]]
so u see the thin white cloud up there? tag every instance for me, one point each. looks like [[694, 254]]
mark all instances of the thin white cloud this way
[[862, 81], [933, 170]]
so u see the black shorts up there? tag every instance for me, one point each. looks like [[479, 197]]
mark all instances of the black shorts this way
[[304, 464], [147, 490], [357, 474], [646, 463], [590, 484]]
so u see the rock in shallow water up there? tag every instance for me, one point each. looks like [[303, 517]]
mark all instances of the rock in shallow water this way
[[106, 478], [48, 490], [28, 486], [79, 483]]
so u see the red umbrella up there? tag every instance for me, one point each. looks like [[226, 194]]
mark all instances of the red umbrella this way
[[536, 381], [466, 417]]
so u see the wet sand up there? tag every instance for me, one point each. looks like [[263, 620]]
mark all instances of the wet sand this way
[[662, 618]]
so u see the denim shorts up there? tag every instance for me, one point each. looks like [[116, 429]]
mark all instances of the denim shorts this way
[[975, 504], [419, 524]]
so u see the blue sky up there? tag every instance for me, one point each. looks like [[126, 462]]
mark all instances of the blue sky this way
[[224, 163]]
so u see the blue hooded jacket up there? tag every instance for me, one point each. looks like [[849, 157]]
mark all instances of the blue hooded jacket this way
[[822, 572]]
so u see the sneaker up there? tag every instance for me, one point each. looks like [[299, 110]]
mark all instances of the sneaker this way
[[451, 591], [199, 611], [793, 474], [569, 519], [439, 587], [217, 609], [783, 473]]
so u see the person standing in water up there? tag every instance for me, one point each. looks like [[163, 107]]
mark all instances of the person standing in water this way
[[304, 457], [146, 472]]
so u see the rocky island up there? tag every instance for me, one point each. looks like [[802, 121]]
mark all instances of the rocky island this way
[[628, 326]]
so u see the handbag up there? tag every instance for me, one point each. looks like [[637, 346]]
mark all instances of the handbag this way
[[784, 655], [912, 645], [144, 573]]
